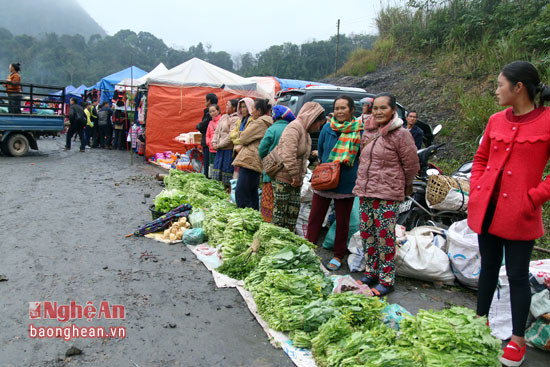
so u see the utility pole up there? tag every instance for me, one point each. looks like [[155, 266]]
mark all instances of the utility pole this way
[[337, 46]]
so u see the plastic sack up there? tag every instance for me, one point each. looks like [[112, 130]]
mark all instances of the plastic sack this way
[[306, 192], [464, 253], [328, 243], [356, 258], [538, 334], [419, 257], [196, 218], [540, 303], [233, 184], [303, 217], [393, 314], [193, 236], [456, 200], [540, 272]]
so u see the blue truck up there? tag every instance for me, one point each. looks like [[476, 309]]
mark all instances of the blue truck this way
[[24, 117]]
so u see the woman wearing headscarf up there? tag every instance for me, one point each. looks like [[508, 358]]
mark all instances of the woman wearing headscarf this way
[[214, 112], [294, 150], [387, 166], [282, 116], [221, 142], [339, 141], [244, 109], [248, 158]]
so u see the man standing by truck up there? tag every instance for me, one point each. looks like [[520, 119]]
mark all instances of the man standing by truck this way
[[77, 118]]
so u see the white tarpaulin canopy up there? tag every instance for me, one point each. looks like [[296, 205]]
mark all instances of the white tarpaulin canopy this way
[[158, 70], [199, 73]]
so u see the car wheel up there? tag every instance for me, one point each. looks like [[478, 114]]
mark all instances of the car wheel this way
[[17, 145]]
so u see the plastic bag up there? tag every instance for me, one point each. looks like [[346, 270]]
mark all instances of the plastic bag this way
[[500, 313], [356, 258], [303, 217], [464, 253], [233, 184], [420, 256], [197, 218], [328, 243], [193, 236], [540, 303], [538, 334], [393, 314]]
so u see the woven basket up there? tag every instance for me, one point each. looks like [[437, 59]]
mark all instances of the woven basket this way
[[440, 185]]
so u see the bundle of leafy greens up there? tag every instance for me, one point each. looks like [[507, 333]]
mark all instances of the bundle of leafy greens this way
[[242, 223], [289, 257], [450, 337], [215, 222], [167, 200], [282, 289], [268, 240], [198, 190]]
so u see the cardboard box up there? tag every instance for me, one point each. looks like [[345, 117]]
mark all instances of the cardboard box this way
[[196, 138]]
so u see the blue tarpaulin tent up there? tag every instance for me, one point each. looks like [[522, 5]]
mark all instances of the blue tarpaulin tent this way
[[106, 85], [293, 84], [78, 92]]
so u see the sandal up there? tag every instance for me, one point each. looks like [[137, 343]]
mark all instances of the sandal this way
[[333, 264], [381, 290]]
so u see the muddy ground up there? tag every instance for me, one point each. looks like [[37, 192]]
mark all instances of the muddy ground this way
[[64, 218]]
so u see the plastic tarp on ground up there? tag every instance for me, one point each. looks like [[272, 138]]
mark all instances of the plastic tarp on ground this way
[[175, 101], [107, 84]]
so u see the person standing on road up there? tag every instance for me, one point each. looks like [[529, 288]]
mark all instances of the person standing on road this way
[[214, 111], [507, 194], [77, 118], [281, 116], [367, 108], [95, 128], [416, 132], [244, 109], [223, 170], [387, 166], [119, 121], [202, 127], [294, 149], [248, 158], [89, 124], [13, 88], [104, 126], [339, 141]]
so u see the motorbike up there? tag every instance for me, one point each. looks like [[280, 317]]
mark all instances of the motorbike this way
[[414, 210]]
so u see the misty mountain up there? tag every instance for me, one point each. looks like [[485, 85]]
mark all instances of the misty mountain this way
[[37, 17]]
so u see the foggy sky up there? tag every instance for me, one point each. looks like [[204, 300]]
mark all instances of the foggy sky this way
[[236, 26]]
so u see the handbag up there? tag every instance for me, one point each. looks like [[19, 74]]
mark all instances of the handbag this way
[[326, 176], [272, 163]]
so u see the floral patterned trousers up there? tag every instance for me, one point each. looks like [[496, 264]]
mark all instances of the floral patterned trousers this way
[[378, 220]]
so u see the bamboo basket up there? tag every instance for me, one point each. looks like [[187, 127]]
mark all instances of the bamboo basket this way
[[440, 185]]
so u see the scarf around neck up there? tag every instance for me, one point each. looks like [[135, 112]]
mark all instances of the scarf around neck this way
[[346, 148]]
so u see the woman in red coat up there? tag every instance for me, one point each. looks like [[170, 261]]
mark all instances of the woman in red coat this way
[[507, 193]]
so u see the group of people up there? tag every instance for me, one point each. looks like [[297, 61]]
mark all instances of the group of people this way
[[97, 126], [376, 156]]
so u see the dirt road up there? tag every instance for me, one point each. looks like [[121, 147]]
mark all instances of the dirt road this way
[[64, 217]]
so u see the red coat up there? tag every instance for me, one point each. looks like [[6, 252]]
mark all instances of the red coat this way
[[520, 152]]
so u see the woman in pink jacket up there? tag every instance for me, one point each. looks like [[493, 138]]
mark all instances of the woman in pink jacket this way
[[506, 195], [214, 111], [387, 165]]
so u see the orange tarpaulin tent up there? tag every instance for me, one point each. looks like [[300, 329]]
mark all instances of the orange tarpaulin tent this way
[[176, 100]]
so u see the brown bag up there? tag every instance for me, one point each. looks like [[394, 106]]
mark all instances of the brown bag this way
[[272, 163], [326, 176]]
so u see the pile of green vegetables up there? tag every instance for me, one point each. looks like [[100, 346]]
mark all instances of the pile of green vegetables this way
[[292, 294], [194, 189], [268, 239]]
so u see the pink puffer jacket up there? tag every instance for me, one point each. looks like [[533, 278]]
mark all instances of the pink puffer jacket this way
[[388, 163]]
